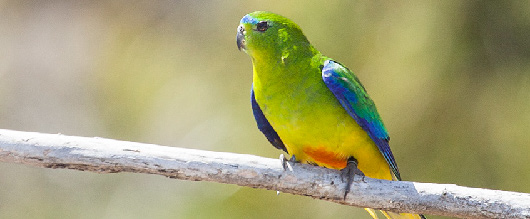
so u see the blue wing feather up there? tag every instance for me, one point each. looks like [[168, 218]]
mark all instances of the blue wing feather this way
[[263, 124], [353, 97]]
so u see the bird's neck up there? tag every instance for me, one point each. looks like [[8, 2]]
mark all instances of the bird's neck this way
[[282, 65]]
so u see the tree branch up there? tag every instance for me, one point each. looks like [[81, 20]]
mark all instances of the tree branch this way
[[112, 156]]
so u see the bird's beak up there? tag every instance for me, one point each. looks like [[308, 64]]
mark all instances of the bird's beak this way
[[240, 37]]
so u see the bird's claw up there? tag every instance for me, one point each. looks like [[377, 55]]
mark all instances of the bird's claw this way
[[287, 164], [349, 173]]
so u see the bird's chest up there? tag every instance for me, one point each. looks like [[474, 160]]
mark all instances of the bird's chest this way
[[303, 111]]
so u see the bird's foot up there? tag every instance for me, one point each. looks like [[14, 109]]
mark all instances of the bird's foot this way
[[287, 164], [349, 173]]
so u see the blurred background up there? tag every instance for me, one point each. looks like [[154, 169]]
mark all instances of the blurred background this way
[[451, 80]]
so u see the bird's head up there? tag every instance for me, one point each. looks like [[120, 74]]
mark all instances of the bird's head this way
[[263, 33]]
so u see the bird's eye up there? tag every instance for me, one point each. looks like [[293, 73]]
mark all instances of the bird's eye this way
[[262, 26]]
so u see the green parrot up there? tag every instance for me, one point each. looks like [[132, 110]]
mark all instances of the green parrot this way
[[311, 106]]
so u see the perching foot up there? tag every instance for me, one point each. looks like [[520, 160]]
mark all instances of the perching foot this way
[[287, 164], [349, 173]]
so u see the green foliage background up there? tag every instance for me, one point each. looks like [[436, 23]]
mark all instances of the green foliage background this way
[[451, 80]]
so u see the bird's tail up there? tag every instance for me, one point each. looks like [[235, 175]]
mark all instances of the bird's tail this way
[[392, 215]]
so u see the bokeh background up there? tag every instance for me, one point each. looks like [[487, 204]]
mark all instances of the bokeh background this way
[[451, 80]]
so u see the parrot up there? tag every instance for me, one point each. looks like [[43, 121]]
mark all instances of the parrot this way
[[311, 106]]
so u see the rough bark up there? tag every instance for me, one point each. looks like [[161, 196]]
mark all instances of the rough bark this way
[[112, 156]]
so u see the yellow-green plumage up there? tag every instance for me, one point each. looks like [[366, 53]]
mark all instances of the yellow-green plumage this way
[[308, 117], [309, 105]]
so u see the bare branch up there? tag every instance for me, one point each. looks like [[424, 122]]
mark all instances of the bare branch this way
[[112, 156]]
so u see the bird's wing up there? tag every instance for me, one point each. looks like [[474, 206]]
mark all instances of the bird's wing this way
[[353, 97], [264, 125]]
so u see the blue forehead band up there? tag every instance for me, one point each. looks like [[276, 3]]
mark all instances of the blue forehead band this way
[[249, 20]]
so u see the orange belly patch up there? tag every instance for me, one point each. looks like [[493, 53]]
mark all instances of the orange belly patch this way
[[323, 157]]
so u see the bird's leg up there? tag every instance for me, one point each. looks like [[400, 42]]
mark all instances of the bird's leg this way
[[287, 164], [349, 173]]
